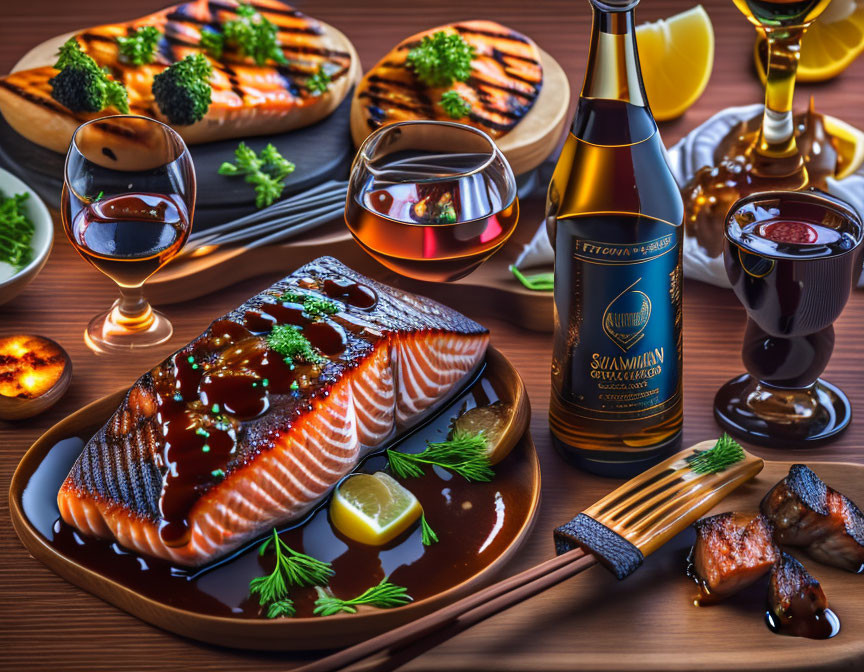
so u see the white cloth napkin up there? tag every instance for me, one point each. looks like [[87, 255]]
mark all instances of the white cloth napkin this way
[[692, 152]]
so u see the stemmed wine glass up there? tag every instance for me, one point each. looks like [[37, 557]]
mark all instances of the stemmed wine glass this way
[[127, 204], [431, 200]]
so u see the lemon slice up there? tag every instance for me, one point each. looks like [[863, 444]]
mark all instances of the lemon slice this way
[[830, 44], [677, 56], [850, 145], [373, 508]]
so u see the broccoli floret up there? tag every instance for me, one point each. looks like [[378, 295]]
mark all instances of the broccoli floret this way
[[182, 91], [82, 86]]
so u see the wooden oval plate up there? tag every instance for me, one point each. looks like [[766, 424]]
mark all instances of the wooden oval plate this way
[[480, 525]]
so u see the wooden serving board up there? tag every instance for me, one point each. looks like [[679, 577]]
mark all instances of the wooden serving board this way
[[320, 152], [647, 622], [511, 499]]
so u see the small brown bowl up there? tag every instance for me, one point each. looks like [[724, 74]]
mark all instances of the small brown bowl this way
[[24, 405]]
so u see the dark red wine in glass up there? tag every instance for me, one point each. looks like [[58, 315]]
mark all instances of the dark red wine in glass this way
[[792, 259]]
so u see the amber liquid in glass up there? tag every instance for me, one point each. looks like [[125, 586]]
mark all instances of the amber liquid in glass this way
[[781, 12], [615, 220], [127, 237], [438, 229]]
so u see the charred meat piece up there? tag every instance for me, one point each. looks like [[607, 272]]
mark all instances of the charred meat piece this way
[[808, 513], [796, 603], [732, 551]]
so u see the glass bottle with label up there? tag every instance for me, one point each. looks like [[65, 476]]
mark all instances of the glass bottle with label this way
[[614, 215]]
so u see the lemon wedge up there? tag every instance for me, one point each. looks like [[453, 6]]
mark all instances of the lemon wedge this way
[[677, 56], [373, 508], [850, 145], [829, 46]]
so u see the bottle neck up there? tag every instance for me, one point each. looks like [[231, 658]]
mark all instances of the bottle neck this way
[[613, 63]]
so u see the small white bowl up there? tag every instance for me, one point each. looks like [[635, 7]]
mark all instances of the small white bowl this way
[[43, 238]]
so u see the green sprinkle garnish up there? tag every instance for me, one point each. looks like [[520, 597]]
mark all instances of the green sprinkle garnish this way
[[190, 359], [265, 382], [178, 396], [99, 197], [316, 306], [217, 473], [205, 449], [202, 432], [287, 340], [215, 408], [319, 81], [725, 453], [427, 534], [139, 47], [541, 282], [295, 385], [291, 297]]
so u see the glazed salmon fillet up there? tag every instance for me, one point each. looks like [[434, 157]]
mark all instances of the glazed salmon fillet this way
[[229, 436], [247, 99], [506, 78]]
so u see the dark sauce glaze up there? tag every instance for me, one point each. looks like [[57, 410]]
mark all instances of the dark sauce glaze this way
[[474, 521], [803, 622], [215, 385]]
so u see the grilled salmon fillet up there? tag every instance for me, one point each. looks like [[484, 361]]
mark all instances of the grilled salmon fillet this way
[[505, 81], [732, 550], [246, 99], [808, 513], [226, 439], [796, 602]]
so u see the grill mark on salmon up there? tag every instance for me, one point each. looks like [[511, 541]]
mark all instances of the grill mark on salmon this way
[[401, 358], [505, 81]]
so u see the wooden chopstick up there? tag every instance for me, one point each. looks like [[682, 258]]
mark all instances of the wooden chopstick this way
[[412, 639]]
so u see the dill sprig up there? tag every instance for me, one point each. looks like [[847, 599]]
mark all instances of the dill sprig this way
[[384, 596], [455, 104], [463, 454], [427, 534], [287, 340], [725, 453], [16, 231], [317, 306], [293, 569], [139, 47]]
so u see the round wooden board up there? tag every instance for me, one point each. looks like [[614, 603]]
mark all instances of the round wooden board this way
[[534, 138], [277, 634], [320, 152]]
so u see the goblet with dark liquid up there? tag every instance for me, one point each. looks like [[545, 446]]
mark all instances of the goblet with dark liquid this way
[[431, 200], [792, 258], [127, 203]]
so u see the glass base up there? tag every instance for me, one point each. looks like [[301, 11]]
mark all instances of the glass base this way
[[113, 331], [782, 418]]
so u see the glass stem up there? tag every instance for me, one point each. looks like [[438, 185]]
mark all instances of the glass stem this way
[[777, 136], [132, 311]]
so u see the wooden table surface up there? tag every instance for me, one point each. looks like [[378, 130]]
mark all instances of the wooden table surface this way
[[48, 624]]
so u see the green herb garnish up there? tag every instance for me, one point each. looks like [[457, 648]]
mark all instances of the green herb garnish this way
[[384, 596], [541, 282], [317, 306], [463, 454], [292, 569], [318, 82], [16, 231], [441, 58], [725, 453], [182, 91], [139, 48], [427, 534], [288, 341], [82, 86], [254, 36], [212, 42], [455, 105], [265, 171]]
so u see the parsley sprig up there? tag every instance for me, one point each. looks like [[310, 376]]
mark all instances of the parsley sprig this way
[[463, 454], [254, 36], [384, 596], [265, 171], [441, 59], [139, 48], [288, 341], [723, 454], [319, 81], [293, 569], [454, 104], [16, 231]]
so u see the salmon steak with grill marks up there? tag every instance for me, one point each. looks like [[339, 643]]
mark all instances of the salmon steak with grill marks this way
[[255, 421], [505, 81], [246, 99]]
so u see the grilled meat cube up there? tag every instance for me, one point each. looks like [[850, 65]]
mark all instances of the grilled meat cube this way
[[796, 603]]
